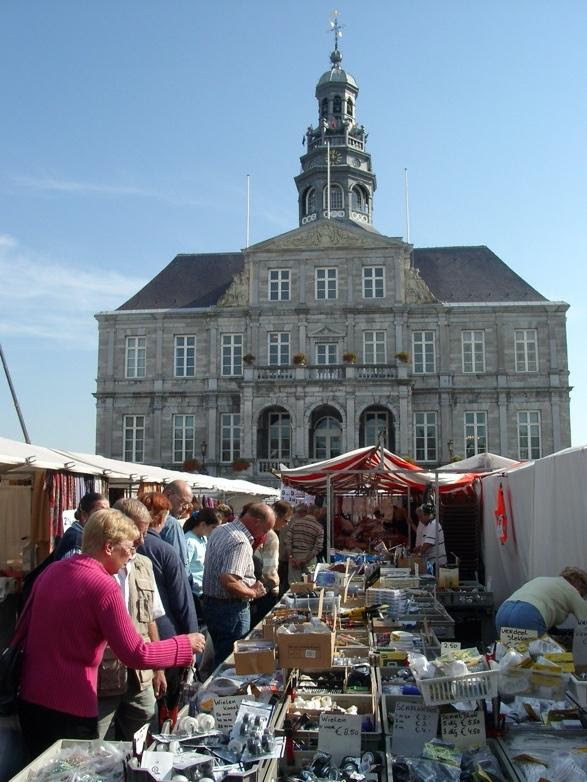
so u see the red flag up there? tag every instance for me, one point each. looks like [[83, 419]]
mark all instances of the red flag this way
[[501, 516]]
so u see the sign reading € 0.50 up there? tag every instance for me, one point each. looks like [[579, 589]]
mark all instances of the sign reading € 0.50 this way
[[340, 735]]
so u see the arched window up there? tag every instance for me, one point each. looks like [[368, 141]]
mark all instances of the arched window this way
[[310, 204], [374, 421], [327, 438], [324, 109], [336, 198], [359, 199], [349, 107], [337, 105]]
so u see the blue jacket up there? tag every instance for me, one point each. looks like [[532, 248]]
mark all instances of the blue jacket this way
[[70, 542], [173, 534], [173, 585]]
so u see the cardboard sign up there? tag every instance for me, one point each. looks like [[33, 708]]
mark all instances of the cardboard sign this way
[[464, 729], [449, 646], [158, 764], [510, 636], [225, 711], [340, 735], [139, 739], [580, 644], [413, 725]]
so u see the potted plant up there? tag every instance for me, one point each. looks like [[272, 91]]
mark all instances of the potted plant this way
[[299, 359], [240, 464], [249, 359], [403, 356], [349, 357], [191, 465]]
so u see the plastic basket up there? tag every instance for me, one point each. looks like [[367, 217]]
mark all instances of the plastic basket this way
[[470, 687]]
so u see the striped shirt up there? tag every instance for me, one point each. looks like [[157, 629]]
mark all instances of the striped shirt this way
[[229, 550], [304, 537]]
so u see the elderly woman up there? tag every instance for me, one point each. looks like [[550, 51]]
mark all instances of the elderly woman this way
[[545, 602], [75, 608]]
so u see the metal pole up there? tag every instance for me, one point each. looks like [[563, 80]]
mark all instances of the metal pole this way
[[248, 237], [328, 180], [328, 518], [14, 399], [437, 498]]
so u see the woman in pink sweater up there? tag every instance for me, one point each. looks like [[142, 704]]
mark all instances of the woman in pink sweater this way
[[75, 608]]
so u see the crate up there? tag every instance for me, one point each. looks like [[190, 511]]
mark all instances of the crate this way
[[53, 751], [388, 700], [470, 687], [536, 683], [578, 690]]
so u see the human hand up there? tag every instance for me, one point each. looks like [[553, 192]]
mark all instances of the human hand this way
[[259, 589], [198, 641], [159, 683]]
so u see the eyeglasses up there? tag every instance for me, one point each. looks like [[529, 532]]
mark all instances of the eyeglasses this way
[[129, 550]]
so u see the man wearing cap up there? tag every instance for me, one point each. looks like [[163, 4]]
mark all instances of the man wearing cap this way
[[432, 547]]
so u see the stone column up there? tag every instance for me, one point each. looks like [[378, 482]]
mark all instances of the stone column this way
[[503, 447], [405, 426], [351, 428]]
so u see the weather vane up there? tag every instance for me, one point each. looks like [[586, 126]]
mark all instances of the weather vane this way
[[336, 28]]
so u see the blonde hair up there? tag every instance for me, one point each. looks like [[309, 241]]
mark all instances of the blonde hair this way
[[577, 578], [134, 509], [105, 526]]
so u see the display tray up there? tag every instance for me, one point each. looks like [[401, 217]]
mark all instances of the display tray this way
[[302, 759], [387, 700], [45, 757], [540, 744]]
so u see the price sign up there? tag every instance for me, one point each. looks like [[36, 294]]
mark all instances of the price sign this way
[[449, 646], [225, 711], [513, 635], [464, 729], [158, 764], [413, 725], [340, 735], [580, 644]]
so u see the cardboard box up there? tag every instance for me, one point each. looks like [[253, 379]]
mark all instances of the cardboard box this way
[[302, 587], [411, 562], [306, 651], [254, 657]]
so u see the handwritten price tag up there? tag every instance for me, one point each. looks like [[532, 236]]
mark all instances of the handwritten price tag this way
[[413, 725], [340, 735], [580, 644], [513, 635], [225, 711], [464, 729], [449, 646]]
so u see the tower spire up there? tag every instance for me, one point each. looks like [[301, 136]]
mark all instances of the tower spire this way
[[335, 28]]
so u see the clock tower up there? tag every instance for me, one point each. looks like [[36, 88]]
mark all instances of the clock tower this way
[[340, 138]]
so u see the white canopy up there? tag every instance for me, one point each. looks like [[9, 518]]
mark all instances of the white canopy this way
[[22, 457], [546, 508], [481, 462]]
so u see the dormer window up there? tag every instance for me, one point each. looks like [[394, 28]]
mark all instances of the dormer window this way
[[359, 200], [324, 109], [336, 198], [310, 201], [349, 107], [337, 105]]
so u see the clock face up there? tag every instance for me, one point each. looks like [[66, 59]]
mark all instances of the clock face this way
[[356, 162], [335, 157]]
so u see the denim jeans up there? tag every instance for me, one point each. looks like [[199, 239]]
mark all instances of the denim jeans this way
[[517, 613], [227, 620]]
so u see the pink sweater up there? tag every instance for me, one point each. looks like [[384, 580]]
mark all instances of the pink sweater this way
[[74, 609]]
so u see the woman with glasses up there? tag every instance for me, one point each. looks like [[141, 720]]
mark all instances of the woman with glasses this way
[[75, 608]]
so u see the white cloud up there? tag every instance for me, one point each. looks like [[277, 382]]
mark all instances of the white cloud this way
[[49, 300]]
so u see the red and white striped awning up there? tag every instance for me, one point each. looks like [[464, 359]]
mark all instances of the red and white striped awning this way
[[366, 469]]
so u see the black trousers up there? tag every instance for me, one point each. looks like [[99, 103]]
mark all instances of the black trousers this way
[[41, 726]]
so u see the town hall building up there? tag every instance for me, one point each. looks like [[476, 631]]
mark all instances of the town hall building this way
[[318, 341]]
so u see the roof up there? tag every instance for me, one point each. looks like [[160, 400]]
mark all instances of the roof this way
[[453, 274], [461, 274], [337, 75], [194, 280]]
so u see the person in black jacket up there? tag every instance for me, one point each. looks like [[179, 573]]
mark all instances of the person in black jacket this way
[[175, 591], [71, 542]]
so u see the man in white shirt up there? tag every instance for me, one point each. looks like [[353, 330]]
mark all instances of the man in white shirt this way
[[432, 547]]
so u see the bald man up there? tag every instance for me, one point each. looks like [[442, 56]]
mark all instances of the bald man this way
[[229, 582], [179, 494]]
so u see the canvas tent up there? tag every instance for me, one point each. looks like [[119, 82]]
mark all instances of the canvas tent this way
[[546, 509], [480, 463]]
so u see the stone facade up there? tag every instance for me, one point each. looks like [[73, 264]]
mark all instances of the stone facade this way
[[438, 372]]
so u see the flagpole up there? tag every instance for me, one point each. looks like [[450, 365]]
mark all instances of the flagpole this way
[[328, 180], [248, 231], [407, 203]]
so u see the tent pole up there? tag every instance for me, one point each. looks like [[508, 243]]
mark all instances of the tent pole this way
[[328, 518], [410, 530], [437, 492]]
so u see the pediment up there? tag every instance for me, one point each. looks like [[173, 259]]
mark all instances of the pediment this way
[[325, 331], [326, 234]]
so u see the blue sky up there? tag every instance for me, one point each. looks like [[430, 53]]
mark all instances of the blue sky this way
[[128, 127]]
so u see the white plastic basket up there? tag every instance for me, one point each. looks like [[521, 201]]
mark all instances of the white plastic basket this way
[[470, 687], [578, 689]]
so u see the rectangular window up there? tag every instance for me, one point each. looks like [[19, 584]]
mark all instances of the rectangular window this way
[[326, 352], [374, 351], [230, 436], [475, 433], [423, 352], [134, 438], [529, 434], [373, 282], [183, 438], [279, 285], [278, 348], [425, 437], [326, 283], [526, 344], [185, 356], [473, 351], [135, 356], [232, 354]]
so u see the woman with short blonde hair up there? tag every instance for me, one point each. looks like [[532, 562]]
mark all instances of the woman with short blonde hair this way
[[105, 526]]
